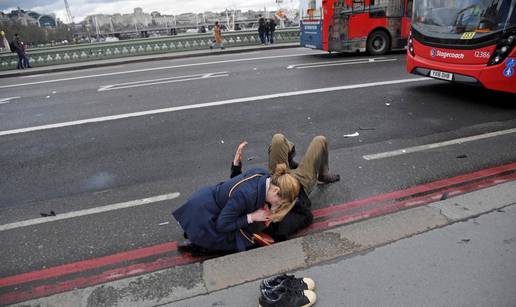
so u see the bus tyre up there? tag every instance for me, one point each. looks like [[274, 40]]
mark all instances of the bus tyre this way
[[378, 43]]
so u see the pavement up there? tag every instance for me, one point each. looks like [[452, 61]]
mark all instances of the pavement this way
[[138, 59], [401, 259]]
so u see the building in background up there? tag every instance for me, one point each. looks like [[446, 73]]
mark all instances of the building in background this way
[[28, 18]]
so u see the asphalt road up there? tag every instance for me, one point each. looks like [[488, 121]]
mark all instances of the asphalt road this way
[[131, 156]]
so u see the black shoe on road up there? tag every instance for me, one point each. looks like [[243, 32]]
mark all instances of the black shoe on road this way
[[289, 281], [285, 297], [328, 178]]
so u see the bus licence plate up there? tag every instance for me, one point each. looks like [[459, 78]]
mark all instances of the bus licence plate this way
[[441, 75]]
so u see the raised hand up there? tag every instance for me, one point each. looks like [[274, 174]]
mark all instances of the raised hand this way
[[238, 153]]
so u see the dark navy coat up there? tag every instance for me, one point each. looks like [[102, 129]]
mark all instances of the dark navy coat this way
[[213, 219]]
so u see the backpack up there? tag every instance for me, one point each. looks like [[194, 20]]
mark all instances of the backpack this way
[[12, 46]]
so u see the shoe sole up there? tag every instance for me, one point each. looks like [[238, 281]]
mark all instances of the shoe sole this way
[[312, 297]]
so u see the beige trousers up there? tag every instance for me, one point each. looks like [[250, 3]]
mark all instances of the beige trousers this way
[[314, 163]]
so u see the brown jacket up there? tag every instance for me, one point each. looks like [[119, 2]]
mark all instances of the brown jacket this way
[[217, 35]]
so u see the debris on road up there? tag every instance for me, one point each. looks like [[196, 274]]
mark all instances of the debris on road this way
[[445, 196], [52, 213], [461, 156], [351, 135], [164, 223]]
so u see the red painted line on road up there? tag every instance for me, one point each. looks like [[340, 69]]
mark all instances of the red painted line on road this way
[[88, 264], [387, 202], [410, 203], [82, 282], [440, 184]]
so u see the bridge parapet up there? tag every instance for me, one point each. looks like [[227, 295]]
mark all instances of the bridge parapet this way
[[137, 47]]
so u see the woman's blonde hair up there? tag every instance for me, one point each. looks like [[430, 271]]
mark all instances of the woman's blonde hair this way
[[289, 189]]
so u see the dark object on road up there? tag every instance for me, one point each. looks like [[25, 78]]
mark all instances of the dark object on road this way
[[52, 213], [328, 178], [283, 296], [198, 251], [289, 281], [445, 196], [461, 156]]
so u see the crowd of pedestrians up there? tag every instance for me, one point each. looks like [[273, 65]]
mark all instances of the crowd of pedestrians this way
[[266, 29]]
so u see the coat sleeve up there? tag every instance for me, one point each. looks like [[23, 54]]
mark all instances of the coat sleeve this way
[[236, 170], [234, 214]]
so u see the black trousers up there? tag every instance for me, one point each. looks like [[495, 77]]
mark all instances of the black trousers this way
[[298, 218]]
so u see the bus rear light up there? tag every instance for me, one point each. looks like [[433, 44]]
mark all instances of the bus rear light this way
[[504, 48]]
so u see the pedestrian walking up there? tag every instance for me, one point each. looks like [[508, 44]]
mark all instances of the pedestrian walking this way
[[267, 31], [217, 36], [25, 59], [261, 28], [270, 29], [20, 48]]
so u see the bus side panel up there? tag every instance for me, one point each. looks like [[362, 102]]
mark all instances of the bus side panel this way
[[360, 26], [327, 12], [406, 23]]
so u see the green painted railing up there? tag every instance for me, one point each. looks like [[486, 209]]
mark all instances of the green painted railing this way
[[147, 46]]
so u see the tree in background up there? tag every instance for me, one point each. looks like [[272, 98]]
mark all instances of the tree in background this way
[[33, 35]]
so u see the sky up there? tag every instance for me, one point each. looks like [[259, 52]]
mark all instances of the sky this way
[[83, 8]]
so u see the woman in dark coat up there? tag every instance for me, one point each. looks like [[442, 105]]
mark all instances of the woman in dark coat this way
[[217, 218]]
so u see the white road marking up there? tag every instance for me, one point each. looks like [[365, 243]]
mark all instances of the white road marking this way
[[154, 69], [351, 63], [69, 215], [343, 62], [70, 72], [8, 99], [408, 150], [210, 104], [162, 81]]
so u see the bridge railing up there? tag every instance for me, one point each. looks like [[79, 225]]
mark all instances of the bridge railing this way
[[136, 47]]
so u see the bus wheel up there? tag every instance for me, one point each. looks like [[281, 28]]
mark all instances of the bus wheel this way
[[378, 43]]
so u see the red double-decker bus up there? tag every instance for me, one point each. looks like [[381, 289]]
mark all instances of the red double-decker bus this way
[[466, 41], [376, 26]]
